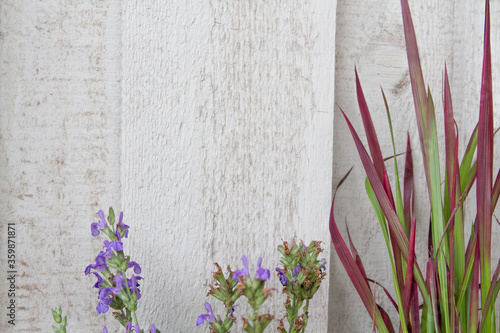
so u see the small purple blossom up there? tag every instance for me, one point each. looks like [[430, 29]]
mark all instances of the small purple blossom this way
[[119, 281], [241, 272], [95, 227], [100, 263], [282, 277], [262, 273], [153, 328], [109, 291], [322, 262], [104, 329], [232, 311], [115, 245], [137, 268], [296, 270], [98, 284], [103, 305], [209, 318], [128, 326], [137, 328]]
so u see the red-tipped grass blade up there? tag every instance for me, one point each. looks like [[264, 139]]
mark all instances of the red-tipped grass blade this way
[[353, 271], [485, 168]]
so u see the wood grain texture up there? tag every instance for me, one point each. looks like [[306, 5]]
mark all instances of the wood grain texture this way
[[59, 152], [370, 36], [227, 139]]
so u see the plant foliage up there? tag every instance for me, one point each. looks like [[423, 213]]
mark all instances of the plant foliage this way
[[456, 292]]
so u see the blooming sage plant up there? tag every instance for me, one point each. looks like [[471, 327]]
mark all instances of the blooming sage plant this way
[[300, 276], [116, 290]]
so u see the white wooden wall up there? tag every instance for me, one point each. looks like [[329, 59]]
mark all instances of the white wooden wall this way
[[211, 124]]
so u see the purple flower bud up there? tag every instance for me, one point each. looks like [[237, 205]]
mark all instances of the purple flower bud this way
[[209, 318], [123, 228], [153, 328], [137, 329], [104, 330]]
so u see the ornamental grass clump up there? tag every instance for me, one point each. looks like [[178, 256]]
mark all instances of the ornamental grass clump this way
[[455, 291]]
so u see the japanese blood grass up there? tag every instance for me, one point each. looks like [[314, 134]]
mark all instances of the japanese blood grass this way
[[457, 292]]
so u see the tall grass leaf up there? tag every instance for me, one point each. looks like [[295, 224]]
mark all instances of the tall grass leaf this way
[[395, 227], [485, 169], [356, 256], [457, 249], [409, 187], [371, 137], [467, 168], [437, 224], [385, 232], [399, 198], [474, 292], [352, 269], [408, 286], [431, 284], [417, 82], [492, 294]]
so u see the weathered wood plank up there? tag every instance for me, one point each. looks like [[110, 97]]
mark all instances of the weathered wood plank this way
[[59, 152], [227, 141]]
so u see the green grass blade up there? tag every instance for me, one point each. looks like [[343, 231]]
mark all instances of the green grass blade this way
[[391, 216], [437, 224], [385, 232], [399, 198]]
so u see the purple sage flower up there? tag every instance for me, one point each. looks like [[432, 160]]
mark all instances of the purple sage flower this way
[[104, 330], [109, 291], [113, 245], [241, 272], [95, 227], [232, 311], [100, 263], [153, 328], [262, 273], [282, 276], [209, 318], [99, 280], [122, 227], [103, 305], [296, 270], [137, 268], [137, 328], [120, 282]]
